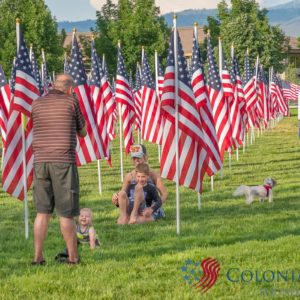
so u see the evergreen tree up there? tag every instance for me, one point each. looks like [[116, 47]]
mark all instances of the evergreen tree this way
[[38, 26]]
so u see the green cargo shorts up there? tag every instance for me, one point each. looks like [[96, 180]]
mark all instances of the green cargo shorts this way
[[56, 185]]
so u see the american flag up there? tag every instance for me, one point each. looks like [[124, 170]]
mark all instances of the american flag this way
[[124, 96], [91, 147], [218, 103], [36, 71], [137, 94], [47, 82], [290, 90], [103, 100], [191, 147], [4, 104], [238, 113], [295, 89], [250, 93], [205, 110], [111, 84], [277, 96], [25, 92], [151, 115], [225, 77], [160, 78], [25, 85], [263, 95]]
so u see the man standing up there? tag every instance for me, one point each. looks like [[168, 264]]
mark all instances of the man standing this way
[[56, 120]]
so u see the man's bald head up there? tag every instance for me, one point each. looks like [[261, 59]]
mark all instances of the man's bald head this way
[[64, 83]]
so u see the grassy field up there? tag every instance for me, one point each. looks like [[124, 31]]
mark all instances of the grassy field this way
[[145, 261]]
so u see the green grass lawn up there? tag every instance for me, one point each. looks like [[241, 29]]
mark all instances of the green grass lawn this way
[[144, 261]]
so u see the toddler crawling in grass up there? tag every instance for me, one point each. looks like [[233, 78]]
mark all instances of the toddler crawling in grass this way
[[85, 231]]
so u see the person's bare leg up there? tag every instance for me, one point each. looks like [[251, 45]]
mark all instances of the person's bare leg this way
[[123, 207], [139, 198], [40, 229], [68, 229]]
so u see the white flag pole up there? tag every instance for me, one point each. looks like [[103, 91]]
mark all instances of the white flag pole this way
[[103, 62], [30, 53], [23, 149], [139, 130], [143, 54], [196, 37], [98, 161], [212, 183], [256, 74], [220, 74], [269, 95], [121, 141], [244, 143], [99, 177], [120, 132], [176, 126], [42, 73], [237, 149], [2, 156], [157, 93]]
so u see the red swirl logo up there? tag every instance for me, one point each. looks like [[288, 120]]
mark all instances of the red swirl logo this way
[[211, 268]]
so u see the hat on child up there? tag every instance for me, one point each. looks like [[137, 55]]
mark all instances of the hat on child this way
[[137, 151]]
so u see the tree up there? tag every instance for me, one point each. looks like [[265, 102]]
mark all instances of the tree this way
[[39, 29], [135, 23], [248, 27], [106, 22]]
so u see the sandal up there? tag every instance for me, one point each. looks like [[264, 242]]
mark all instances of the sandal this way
[[38, 263]]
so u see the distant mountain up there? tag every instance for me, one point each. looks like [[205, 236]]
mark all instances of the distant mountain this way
[[271, 3], [286, 15], [188, 17], [291, 4], [81, 26]]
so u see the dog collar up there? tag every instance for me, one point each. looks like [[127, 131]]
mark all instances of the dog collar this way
[[268, 188]]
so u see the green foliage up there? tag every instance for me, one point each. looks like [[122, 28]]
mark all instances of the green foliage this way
[[248, 27], [291, 74], [106, 21], [135, 23], [39, 29], [144, 261], [214, 28]]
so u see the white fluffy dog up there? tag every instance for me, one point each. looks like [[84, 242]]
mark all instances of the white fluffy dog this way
[[260, 191]]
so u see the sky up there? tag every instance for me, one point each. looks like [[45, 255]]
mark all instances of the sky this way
[[76, 10]]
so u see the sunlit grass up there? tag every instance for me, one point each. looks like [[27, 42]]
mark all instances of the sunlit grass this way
[[143, 262]]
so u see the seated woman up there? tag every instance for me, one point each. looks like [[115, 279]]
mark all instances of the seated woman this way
[[120, 199]]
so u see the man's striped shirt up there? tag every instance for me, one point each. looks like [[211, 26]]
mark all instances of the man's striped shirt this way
[[56, 119]]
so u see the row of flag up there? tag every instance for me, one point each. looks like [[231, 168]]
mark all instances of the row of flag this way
[[195, 118]]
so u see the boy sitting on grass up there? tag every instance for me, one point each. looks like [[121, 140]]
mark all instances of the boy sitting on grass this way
[[142, 199]]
